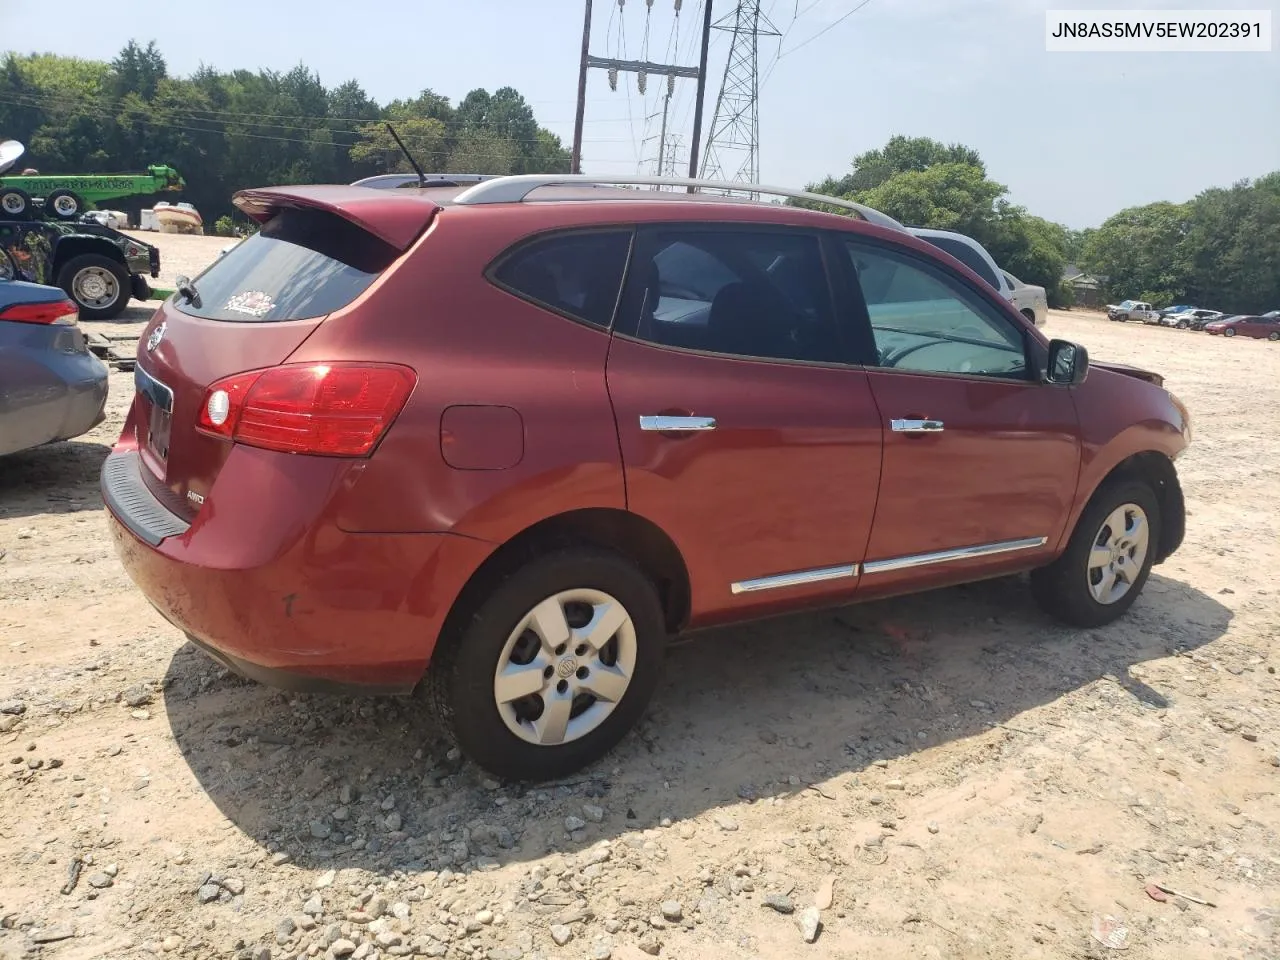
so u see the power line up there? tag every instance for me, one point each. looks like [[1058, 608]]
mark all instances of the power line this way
[[827, 29]]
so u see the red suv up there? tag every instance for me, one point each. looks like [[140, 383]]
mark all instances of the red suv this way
[[501, 442]]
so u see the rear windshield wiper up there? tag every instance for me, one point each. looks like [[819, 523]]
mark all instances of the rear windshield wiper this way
[[188, 289]]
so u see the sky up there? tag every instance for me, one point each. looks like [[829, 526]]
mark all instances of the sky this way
[[1075, 137]]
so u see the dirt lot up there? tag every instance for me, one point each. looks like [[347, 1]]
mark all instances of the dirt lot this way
[[950, 776]]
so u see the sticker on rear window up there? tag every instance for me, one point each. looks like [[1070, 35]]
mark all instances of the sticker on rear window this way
[[255, 303]]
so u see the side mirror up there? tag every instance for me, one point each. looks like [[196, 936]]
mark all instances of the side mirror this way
[[1068, 363]]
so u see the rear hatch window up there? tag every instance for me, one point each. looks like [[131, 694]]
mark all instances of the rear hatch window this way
[[302, 264]]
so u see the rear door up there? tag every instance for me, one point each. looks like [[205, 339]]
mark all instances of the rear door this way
[[746, 432], [253, 307], [980, 458]]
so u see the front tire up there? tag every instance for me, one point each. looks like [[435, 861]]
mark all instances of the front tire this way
[[98, 285], [1229, 332], [1107, 560], [1273, 336], [553, 667]]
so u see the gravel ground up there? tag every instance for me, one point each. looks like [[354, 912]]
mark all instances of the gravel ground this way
[[949, 776]]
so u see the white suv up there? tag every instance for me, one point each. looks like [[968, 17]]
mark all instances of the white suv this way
[[974, 256]]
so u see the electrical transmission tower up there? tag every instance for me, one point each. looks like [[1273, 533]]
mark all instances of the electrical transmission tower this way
[[733, 148]]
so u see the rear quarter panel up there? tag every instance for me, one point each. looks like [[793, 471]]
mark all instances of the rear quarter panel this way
[[1121, 416], [476, 346]]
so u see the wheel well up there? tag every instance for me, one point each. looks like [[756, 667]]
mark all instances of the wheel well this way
[[635, 538], [1029, 314], [76, 246], [1157, 471]]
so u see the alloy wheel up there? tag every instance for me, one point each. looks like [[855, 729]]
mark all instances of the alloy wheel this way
[[565, 667], [1119, 553]]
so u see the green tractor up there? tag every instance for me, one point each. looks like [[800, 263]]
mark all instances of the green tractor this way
[[68, 197]]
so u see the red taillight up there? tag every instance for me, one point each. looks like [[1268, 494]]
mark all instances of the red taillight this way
[[330, 409], [59, 311]]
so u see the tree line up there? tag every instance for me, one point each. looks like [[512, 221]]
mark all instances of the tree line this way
[[225, 131], [1220, 250]]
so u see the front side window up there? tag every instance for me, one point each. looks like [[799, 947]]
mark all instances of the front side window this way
[[577, 274], [924, 321], [749, 294]]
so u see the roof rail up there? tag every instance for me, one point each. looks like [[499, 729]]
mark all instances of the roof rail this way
[[516, 189]]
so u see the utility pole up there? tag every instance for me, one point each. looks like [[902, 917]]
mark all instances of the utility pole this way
[[576, 162], [702, 90], [644, 68], [733, 148]]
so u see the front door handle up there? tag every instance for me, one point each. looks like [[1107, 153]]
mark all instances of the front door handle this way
[[915, 426], [666, 424]]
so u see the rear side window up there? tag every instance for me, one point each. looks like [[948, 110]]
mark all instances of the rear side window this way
[[968, 256], [741, 292], [301, 264], [575, 274]]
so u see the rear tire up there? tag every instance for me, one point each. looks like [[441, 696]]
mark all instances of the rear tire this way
[[64, 205], [1074, 588], [15, 204], [557, 724], [1184, 324], [99, 285]]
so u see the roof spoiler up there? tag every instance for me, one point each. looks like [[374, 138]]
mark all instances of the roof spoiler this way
[[395, 218]]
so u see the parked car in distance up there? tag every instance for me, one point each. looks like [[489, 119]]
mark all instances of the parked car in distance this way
[[1195, 318], [1259, 328], [1031, 300], [1131, 310], [1272, 313], [100, 268], [1177, 308], [377, 446], [51, 386]]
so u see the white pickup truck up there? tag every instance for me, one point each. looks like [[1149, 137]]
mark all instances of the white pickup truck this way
[[1132, 310]]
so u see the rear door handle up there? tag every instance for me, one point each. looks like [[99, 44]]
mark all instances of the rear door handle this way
[[915, 426], [665, 424]]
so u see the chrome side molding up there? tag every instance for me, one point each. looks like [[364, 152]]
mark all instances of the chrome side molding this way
[[796, 579], [948, 556], [658, 424]]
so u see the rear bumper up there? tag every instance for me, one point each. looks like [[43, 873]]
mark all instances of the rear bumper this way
[[273, 589]]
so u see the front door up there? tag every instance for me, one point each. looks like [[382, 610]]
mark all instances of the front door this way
[[980, 457], [746, 434]]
